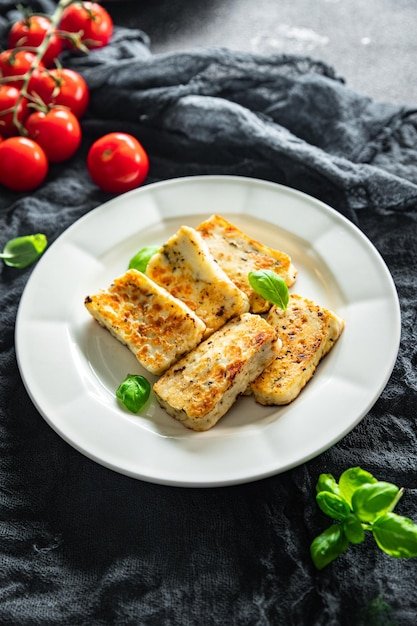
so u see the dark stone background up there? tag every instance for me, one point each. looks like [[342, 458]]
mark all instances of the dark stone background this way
[[371, 44]]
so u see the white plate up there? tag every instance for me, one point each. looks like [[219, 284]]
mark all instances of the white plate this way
[[71, 367]]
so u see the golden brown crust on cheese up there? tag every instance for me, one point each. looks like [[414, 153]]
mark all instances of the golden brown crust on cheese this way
[[147, 319], [238, 254], [203, 385], [185, 267], [308, 332]]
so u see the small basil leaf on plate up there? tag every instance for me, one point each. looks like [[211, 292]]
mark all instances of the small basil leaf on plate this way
[[141, 259], [270, 286], [23, 251], [134, 392]]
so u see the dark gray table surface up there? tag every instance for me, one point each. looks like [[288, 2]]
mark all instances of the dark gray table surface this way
[[371, 44]]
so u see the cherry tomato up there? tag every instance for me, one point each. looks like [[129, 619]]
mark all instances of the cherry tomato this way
[[57, 131], [9, 97], [92, 20], [30, 32], [117, 162], [62, 87], [15, 63], [23, 164]]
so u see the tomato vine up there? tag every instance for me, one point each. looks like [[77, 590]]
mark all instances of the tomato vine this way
[[38, 52], [41, 101]]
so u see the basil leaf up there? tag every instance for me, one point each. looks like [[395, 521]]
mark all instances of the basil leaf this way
[[396, 535], [327, 482], [23, 251], [353, 478], [353, 528], [134, 392], [372, 500], [333, 505], [377, 612], [363, 504], [270, 286], [328, 546], [141, 259]]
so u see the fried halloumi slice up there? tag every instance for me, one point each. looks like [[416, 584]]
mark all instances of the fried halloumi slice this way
[[308, 332], [185, 267], [203, 385], [155, 326], [237, 254]]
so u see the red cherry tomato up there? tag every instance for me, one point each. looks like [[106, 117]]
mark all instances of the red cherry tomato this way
[[117, 162], [15, 63], [30, 32], [62, 87], [23, 164], [58, 132], [9, 97], [91, 20]]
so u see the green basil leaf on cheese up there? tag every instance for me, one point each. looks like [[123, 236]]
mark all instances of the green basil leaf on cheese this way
[[270, 286], [141, 259]]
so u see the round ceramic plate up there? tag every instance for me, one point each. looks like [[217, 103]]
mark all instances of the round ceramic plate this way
[[71, 366]]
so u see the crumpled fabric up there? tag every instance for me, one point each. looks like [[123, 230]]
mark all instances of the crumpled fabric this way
[[83, 545]]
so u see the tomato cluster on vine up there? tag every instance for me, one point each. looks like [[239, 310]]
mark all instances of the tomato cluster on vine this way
[[42, 102]]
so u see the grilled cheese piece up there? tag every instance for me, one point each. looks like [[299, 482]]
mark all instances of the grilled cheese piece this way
[[308, 332], [237, 254], [185, 267], [155, 326], [203, 385]]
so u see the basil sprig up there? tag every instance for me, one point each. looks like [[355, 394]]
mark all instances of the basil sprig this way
[[134, 392], [141, 259], [359, 503], [270, 286], [23, 251]]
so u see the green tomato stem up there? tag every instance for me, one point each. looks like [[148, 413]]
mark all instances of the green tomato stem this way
[[55, 18], [396, 500]]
